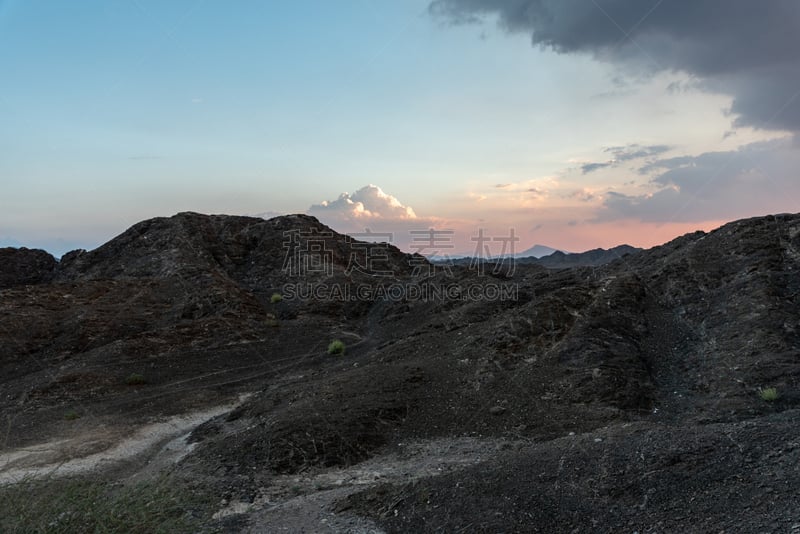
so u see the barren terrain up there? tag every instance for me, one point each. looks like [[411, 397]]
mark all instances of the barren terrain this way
[[627, 396]]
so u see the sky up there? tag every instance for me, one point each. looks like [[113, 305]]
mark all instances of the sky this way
[[573, 123]]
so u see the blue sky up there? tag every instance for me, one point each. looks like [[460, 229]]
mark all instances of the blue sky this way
[[113, 112]]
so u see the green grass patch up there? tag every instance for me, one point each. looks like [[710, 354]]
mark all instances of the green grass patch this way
[[276, 298], [84, 505], [336, 347], [272, 320], [135, 379], [71, 415], [769, 394]]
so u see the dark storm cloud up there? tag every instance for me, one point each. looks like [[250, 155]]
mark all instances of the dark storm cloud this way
[[625, 153], [755, 179], [668, 163], [629, 152], [591, 167], [744, 48]]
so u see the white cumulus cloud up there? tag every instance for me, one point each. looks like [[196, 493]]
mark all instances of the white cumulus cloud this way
[[369, 202]]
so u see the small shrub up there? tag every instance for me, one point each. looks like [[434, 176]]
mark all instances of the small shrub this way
[[71, 415], [769, 394], [135, 379], [276, 298], [336, 347]]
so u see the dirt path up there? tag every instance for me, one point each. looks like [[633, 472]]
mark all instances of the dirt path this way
[[308, 502], [102, 448]]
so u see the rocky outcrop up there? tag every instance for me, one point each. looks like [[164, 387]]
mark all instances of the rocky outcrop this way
[[23, 266]]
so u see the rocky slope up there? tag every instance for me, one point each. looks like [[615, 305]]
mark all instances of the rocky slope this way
[[627, 394]]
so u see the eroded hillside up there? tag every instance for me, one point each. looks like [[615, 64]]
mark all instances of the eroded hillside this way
[[624, 395]]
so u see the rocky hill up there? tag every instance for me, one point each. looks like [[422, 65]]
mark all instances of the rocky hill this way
[[630, 396]]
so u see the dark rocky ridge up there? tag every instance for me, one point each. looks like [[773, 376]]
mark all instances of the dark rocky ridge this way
[[21, 266], [657, 353]]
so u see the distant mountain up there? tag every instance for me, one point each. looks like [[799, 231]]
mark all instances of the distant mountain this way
[[590, 258], [556, 259], [537, 251]]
